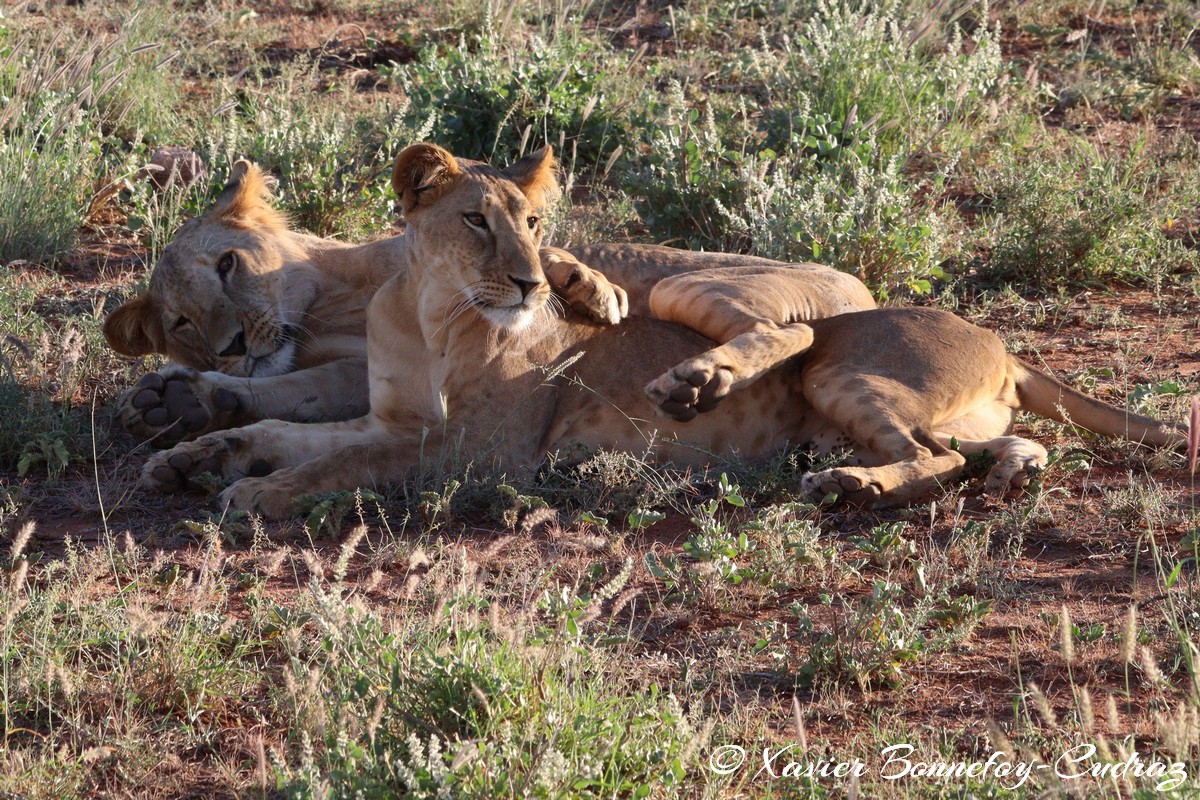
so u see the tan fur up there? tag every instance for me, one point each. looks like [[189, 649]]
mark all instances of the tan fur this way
[[912, 389], [258, 339], [300, 302], [463, 353]]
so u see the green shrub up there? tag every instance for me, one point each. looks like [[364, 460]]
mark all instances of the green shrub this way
[[843, 213], [50, 149], [886, 61], [684, 175], [449, 708], [488, 101], [1074, 215], [331, 155], [68, 102], [829, 201]]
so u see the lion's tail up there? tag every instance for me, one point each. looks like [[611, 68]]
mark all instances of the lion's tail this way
[[1049, 397]]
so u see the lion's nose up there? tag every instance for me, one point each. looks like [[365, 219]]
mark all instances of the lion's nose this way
[[525, 286], [237, 347]]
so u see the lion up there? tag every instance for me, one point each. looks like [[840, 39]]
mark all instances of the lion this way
[[462, 355], [263, 322]]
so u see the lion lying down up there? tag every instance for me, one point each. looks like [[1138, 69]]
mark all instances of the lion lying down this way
[[269, 323], [462, 354]]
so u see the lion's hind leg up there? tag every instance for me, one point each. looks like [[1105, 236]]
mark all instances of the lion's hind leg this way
[[915, 465], [1018, 461], [985, 429], [889, 426], [698, 384], [752, 313]]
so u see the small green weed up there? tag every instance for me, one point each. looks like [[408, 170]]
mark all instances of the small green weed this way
[[869, 642]]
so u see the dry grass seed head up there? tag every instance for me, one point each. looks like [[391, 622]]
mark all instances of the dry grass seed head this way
[[346, 552], [798, 718], [1065, 634], [493, 550], [373, 580], [24, 534], [16, 580], [1129, 635], [999, 740], [418, 567], [623, 599], [536, 518], [270, 564], [128, 546], [1113, 715], [316, 569], [1179, 732], [1086, 715], [142, 621], [1042, 706], [1150, 668]]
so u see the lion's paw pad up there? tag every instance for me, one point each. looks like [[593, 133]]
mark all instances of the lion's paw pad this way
[[846, 485], [170, 407], [174, 470], [688, 390]]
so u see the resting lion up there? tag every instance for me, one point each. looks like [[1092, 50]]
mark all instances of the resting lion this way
[[268, 323], [461, 356]]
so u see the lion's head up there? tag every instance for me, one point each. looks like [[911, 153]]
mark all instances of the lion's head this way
[[477, 229], [228, 293]]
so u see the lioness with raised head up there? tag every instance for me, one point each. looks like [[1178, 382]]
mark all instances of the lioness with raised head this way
[[264, 322], [461, 355]]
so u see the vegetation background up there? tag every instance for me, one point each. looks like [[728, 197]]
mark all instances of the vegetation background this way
[[601, 631]]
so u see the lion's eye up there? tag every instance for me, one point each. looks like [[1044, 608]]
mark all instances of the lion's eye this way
[[226, 263], [181, 322], [532, 222], [476, 220]]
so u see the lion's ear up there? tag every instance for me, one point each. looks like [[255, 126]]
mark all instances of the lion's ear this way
[[135, 328], [246, 199], [537, 176], [420, 168]]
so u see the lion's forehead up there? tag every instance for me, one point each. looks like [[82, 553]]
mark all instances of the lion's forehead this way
[[187, 262], [488, 186]]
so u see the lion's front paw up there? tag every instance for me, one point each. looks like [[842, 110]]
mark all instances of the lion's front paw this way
[[272, 497], [585, 290], [690, 388], [852, 485], [175, 404], [175, 470]]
